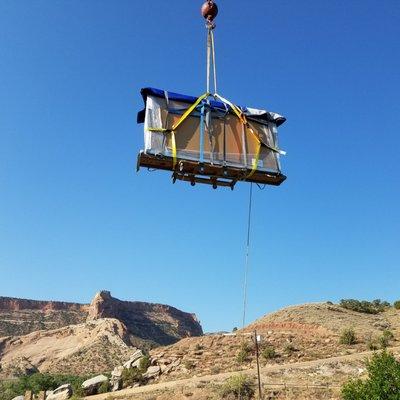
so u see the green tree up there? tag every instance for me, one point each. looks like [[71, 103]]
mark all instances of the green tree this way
[[383, 382]]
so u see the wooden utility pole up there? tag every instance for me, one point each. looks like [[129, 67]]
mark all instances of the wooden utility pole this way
[[258, 365]]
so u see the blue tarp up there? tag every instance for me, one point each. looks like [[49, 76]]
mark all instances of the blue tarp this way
[[263, 116]]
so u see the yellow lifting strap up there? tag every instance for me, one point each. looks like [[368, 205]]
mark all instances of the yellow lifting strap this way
[[256, 156], [244, 121], [175, 126], [190, 110], [235, 108], [182, 119], [173, 143]]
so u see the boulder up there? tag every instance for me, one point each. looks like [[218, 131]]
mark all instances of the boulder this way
[[176, 363], [152, 372], [18, 398], [116, 378], [133, 360], [63, 392], [91, 386], [136, 364]]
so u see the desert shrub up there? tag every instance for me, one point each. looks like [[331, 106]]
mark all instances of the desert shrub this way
[[104, 387], [386, 338], [372, 344], [130, 376], [144, 363], [290, 348], [198, 347], [189, 364], [237, 385], [234, 329], [268, 353], [368, 307], [383, 382], [348, 337], [244, 354], [396, 304], [215, 370]]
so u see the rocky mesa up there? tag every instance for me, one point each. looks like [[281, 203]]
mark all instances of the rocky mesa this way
[[156, 324]]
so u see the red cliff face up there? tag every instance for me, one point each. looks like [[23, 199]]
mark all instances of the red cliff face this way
[[156, 323], [159, 323], [21, 316], [13, 304]]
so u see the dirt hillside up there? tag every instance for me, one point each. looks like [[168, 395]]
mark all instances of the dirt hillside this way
[[298, 333], [91, 347]]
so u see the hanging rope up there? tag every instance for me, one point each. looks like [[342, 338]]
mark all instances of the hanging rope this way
[[246, 264]]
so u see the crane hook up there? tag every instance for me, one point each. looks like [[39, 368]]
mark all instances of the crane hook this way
[[209, 10]]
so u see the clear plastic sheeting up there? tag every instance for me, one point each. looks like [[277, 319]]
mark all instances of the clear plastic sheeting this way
[[224, 139]]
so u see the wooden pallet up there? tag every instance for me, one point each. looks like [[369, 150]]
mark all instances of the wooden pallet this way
[[210, 174]]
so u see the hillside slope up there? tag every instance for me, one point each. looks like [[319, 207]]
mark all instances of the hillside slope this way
[[91, 347], [298, 333]]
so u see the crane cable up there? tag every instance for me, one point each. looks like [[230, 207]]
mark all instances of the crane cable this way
[[246, 264], [211, 59], [210, 10]]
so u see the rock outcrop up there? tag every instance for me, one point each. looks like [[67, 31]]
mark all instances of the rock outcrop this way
[[158, 323]]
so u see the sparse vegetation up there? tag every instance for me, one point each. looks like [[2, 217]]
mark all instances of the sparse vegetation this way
[[396, 304], [290, 348], [372, 344], [104, 387], [348, 337], [144, 364], [130, 376], [244, 354], [75, 397], [383, 381], [386, 338], [189, 364], [215, 370], [237, 385], [368, 307], [268, 353]]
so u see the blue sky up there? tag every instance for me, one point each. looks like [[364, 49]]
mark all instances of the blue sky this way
[[76, 218]]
